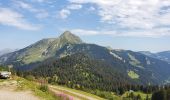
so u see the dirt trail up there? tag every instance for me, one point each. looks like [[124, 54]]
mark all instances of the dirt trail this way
[[8, 92], [75, 96]]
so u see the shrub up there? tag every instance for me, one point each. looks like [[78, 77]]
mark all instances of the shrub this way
[[44, 88]]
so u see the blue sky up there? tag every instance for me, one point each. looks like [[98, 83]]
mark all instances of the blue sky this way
[[122, 24]]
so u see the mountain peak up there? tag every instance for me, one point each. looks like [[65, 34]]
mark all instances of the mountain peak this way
[[67, 33], [71, 38]]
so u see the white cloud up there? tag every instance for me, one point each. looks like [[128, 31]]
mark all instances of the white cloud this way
[[42, 14], [64, 13], [93, 32], [133, 14], [92, 9], [12, 18], [25, 5], [154, 33], [39, 13], [74, 6], [40, 1], [85, 32]]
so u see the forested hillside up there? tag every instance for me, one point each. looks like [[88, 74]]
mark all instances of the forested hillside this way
[[80, 71]]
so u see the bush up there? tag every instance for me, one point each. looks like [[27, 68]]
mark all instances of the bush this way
[[30, 77], [44, 88], [103, 94], [160, 95]]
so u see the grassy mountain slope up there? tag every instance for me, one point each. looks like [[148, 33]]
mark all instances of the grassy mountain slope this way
[[40, 50]]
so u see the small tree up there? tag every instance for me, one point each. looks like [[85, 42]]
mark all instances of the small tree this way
[[168, 94], [9, 67], [139, 97], [160, 95], [131, 95], [147, 97], [43, 85]]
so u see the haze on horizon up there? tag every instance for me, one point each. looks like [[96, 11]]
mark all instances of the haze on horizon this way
[[139, 25]]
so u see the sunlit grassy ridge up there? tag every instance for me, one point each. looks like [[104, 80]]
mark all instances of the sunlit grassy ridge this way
[[133, 75], [135, 62], [46, 48]]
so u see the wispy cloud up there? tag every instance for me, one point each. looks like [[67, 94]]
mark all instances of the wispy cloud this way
[[64, 13], [42, 14], [41, 1], [145, 15], [26, 6], [74, 6], [153, 33], [15, 19], [39, 13]]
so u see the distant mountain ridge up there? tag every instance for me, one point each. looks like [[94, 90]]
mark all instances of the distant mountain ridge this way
[[7, 50], [164, 56], [141, 68]]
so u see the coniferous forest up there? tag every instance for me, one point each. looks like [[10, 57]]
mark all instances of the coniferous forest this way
[[81, 72]]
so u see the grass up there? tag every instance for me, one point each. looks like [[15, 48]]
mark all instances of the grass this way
[[143, 95], [1, 80], [57, 87], [133, 75], [134, 61], [24, 84]]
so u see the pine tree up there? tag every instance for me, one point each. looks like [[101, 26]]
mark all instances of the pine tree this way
[[160, 95], [147, 97], [139, 97]]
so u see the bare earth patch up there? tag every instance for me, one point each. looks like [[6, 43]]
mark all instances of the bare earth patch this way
[[8, 92]]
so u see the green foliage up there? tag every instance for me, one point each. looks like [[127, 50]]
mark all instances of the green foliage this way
[[131, 95], [133, 75], [163, 94], [147, 97], [168, 94], [43, 85], [104, 94], [2, 68], [139, 97], [30, 77], [135, 62], [160, 95], [44, 88], [80, 71]]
